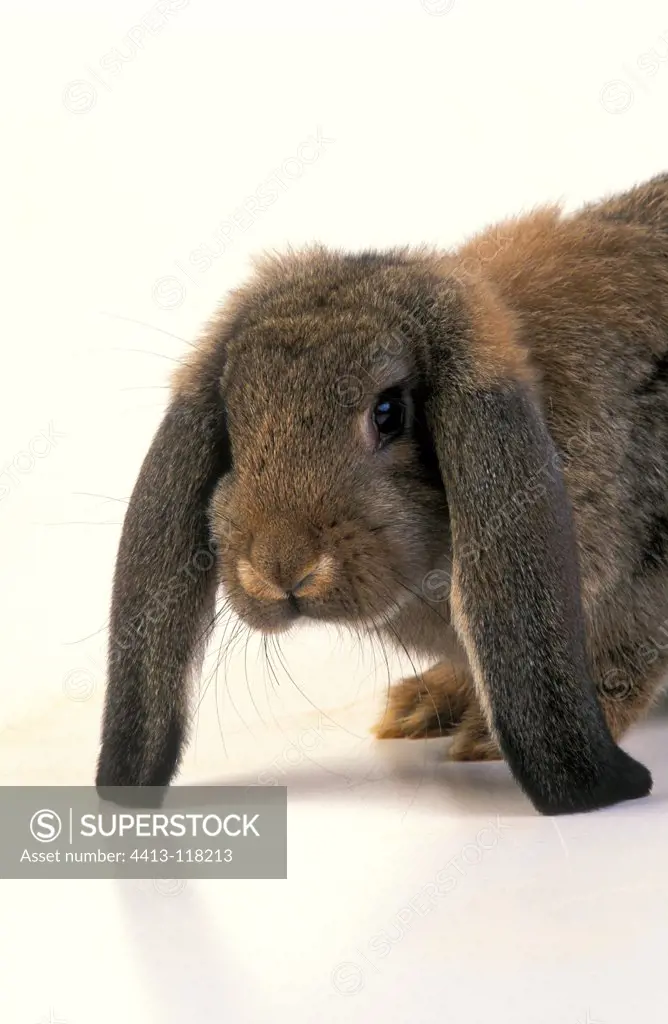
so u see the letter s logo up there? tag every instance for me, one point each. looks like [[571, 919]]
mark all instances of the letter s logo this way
[[45, 826]]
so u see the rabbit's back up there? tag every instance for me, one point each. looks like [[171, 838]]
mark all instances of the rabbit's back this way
[[646, 205], [590, 295]]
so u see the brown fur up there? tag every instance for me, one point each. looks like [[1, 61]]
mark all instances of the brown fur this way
[[533, 473]]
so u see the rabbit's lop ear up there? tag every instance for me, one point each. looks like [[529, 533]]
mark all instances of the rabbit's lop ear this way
[[515, 583], [163, 595]]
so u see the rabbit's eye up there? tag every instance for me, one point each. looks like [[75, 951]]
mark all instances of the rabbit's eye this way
[[388, 415]]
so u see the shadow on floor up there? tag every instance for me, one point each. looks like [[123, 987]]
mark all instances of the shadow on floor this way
[[416, 772]]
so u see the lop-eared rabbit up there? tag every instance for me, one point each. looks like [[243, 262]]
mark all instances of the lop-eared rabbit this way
[[467, 452]]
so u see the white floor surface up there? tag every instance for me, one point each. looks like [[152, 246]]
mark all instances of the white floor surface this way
[[418, 890]]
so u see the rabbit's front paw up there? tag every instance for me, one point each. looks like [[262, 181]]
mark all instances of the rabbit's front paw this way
[[431, 704], [472, 740]]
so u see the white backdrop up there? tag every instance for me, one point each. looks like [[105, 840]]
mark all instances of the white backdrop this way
[[146, 153]]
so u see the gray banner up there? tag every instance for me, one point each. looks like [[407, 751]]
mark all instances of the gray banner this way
[[185, 832]]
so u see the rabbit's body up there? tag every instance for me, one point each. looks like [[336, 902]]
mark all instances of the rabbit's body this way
[[590, 294], [468, 452]]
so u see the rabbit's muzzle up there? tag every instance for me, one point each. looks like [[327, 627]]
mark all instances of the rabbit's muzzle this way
[[278, 575], [275, 583]]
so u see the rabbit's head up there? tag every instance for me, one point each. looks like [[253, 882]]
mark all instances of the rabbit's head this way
[[334, 508]]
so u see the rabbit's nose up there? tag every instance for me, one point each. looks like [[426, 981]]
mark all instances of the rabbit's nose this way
[[312, 580], [316, 579]]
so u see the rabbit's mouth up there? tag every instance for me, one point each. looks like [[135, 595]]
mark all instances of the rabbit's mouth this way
[[356, 568], [325, 591], [282, 616]]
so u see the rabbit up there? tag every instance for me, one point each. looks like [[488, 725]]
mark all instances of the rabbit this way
[[466, 451]]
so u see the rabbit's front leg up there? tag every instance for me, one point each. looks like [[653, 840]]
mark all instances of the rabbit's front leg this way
[[472, 740], [430, 704], [439, 702]]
